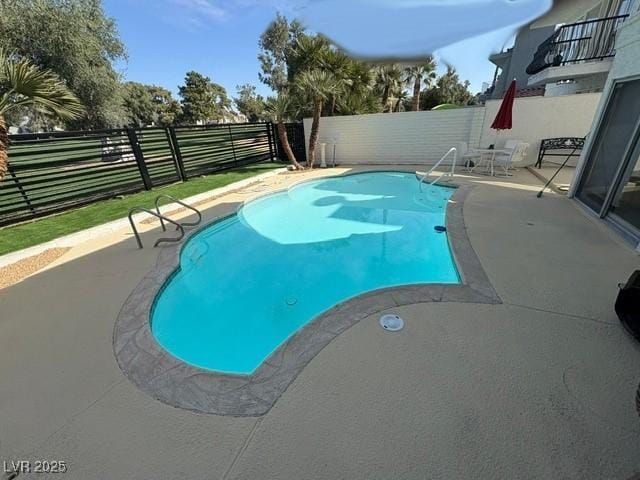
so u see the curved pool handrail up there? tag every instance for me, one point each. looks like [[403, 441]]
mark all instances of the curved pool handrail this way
[[453, 150], [185, 205], [155, 214]]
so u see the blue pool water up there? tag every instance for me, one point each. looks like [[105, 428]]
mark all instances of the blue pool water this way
[[249, 282]]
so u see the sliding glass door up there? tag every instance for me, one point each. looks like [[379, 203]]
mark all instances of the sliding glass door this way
[[625, 205], [611, 147]]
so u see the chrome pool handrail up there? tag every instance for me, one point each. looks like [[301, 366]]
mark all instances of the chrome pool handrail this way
[[453, 150], [155, 214], [185, 205]]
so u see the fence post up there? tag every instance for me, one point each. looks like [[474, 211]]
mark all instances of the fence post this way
[[272, 142], [233, 148], [137, 153], [23, 193], [177, 153], [300, 141], [173, 154]]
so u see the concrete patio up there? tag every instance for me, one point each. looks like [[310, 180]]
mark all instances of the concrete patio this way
[[562, 180], [541, 386]]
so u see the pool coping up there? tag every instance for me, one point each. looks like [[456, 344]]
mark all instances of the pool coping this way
[[166, 378]]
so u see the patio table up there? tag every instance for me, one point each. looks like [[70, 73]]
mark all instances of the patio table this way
[[488, 155]]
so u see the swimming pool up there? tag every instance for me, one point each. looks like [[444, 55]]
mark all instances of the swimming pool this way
[[249, 282]]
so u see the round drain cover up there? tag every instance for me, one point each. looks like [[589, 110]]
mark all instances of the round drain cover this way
[[391, 323], [291, 301]]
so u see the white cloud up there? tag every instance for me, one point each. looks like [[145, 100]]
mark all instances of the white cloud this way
[[198, 14], [195, 13]]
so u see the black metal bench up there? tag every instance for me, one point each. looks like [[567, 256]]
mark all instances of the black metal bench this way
[[576, 144]]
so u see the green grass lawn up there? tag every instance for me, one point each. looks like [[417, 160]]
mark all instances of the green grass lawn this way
[[17, 237]]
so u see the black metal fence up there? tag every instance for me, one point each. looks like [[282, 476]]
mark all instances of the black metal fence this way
[[55, 171], [578, 42], [202, 150], [295, 133]]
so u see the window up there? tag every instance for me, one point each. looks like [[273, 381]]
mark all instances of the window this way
[[625, 7]]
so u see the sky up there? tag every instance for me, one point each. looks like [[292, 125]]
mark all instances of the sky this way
[[219, 38]]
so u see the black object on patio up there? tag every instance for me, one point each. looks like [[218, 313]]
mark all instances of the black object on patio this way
[[565, 143], [558, 144], [628, 305]]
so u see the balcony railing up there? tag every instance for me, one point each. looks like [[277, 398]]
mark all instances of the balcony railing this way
[[577, 42]]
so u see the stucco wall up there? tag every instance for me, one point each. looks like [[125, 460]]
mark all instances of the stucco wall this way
[[590, 83], [400, 138], [526, 44], [423, 137], [536, 118]]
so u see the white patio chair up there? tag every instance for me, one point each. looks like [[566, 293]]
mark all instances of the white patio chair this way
[[512, 155], [509, 145]]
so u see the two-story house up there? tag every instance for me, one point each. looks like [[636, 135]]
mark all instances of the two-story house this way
[[607, 181], [569, 50]]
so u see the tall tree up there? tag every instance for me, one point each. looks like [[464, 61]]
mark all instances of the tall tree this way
[[275, 45], [388, 83], [280, 109], [448, 89], [418, 73], [287, 51], [23, 83], [341, 67], [249, 103], [319, 85], [170, 112], [75, 40], [359, 96], [168, 109], [138, 103], [149, 104], [310, 65], [401, 99], [453, 90], [306, 54], [202, 100]]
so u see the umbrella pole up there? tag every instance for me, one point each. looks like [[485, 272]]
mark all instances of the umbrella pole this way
[[539, 195]]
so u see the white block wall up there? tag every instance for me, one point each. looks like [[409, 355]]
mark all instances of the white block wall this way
[[423, 137], [535, 118], [398, 138]]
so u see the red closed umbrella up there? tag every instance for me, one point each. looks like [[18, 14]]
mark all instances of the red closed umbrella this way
[[504, 118]]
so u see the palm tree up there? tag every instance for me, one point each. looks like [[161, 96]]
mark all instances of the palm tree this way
[[340, 66], [400, 101], [22, 83], [279, 109], [358, 96], [359, 103], [414, 76], [319, 85], [308, 53], [388, 82]]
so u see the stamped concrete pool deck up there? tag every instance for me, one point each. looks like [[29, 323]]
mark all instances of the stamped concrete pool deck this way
[[540, 386]]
